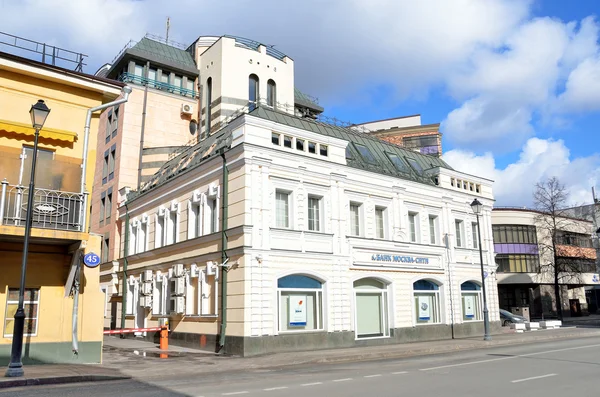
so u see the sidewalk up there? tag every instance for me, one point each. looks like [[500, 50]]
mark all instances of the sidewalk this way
[[132, 358]]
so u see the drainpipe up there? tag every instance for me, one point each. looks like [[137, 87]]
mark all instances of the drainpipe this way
[[223, 252], [143, 129], [125, 263], [77, 283]]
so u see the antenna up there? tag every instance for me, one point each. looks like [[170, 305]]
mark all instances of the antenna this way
[[168, 27], [594, 195]]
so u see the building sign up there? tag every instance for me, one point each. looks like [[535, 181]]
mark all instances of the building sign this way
[[469, 306], [91, 259], [297, 308], [595, 278], [424, 308], [399, 259]]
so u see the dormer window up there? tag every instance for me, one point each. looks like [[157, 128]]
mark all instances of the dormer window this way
[[271, 93], [252, 91]]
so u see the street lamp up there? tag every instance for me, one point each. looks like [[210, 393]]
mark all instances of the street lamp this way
[[476, 206], [38, 113]]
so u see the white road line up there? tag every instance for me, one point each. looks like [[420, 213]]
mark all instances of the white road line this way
[[508, 358], [342, 380], [532, 378], [276, 388], [234, 393], [399, 373], [312, 384], [372, 376]]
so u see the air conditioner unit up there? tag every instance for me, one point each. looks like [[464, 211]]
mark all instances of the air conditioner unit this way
[[146, 289], [210, 268], [187, 108], [177, 286], [176, 305], [178, 270], [146, 276], [213, 190], [146, 301]]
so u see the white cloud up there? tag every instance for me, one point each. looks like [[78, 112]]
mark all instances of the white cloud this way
[[582, 91], [539, 159]]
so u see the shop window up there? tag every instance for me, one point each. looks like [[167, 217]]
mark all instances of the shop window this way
[[472, 299], [300, 303], [31, 305], [372, 316], [427, 302]]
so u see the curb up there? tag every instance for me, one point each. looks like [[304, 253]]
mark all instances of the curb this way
[[59, 380]]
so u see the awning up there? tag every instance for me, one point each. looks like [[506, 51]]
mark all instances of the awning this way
[[48, 133]]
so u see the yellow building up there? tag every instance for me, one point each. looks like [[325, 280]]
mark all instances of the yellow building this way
[[59, 236]]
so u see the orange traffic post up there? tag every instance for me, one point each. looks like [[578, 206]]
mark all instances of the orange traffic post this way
[[164, 338]]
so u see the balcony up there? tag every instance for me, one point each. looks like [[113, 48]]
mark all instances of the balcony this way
[[52, 209], [135, 79]]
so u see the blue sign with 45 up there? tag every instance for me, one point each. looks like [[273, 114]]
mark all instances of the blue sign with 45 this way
[[91, 259]]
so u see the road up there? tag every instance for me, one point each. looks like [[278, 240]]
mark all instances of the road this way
[[558, 368]]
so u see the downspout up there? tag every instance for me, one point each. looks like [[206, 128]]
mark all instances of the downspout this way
[[224, 215], [143, 129], [86, 139], [75, 317], [125, 263]]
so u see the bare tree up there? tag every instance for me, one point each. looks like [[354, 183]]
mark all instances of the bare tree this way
[[560, 254]]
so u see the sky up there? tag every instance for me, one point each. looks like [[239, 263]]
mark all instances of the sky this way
[[515, 84]]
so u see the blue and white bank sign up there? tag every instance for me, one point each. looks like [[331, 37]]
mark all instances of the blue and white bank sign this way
[[399, 259], [91, 260]]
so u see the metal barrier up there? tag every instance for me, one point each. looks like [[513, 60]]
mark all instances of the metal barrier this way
[[130, 330]]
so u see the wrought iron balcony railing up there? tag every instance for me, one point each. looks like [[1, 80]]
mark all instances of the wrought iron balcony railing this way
[[132, 78], [52, 209]]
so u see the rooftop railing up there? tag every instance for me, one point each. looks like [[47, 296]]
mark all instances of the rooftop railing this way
[[132, 78]]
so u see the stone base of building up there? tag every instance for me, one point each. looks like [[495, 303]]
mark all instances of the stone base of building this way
[[257, 345], [55, 353]]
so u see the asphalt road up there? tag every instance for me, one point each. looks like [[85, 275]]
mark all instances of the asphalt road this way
[[559, 368]]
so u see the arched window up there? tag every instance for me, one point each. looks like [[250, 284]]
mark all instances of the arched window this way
[[271, 93], [371, 312], [300, 300], [427, 302], [252, 92], [471, 298], [208, 107]]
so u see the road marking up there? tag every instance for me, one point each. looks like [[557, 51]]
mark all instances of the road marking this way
[[276, 388], [532, 378], [312, 384], [372, 376], [399, 373], [342, 380], [508, 358], [234, 393]]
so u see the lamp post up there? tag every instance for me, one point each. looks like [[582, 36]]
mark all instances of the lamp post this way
[[476, 206], [38, 113]]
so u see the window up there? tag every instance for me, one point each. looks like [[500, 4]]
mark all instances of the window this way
[[433, 229], [159, 295], [159, 228], [194, 220], [521, 234], [138, 70], [178, 82], [275, 138], [139, 237], [105, 168], [312, 147], [349, 154], [398, 163], [212, 215], [208, 106], [371, 315], [252, 92], [427, 302], [413, 226], [300, 144], [379, 222], [31, 305], [271, 93], [365, 153], [323, 150], [111, 162], [475, 235], [190, 87], [108, 206], [300, 303], [314, 213], [282, 208], [105, 248], [415, 165], [458, 226], [132, 240], [164, 79], [354, 215], [471, 298], [518, 263], [109, 123], [287, 141], [172, 227], [152, 77], [102, 208], [115, 122]]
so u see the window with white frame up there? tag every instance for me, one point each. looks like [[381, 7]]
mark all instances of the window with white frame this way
[[459, 230], [160, 295], [372, 317], [31, 305], [159, 229], [433, 233], [472, 299], [172, 218], [212, 214], [132, 296], [300, 303], [282, 209], [427, 302], [132, 241], [194, 219], [314, 213], [474, 234], [413, 226], [354, 215], [379, 222], [142, 236]]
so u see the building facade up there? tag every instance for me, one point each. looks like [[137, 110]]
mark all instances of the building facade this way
[[524, 256], [56, 330]]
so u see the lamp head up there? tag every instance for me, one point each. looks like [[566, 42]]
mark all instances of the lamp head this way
[[39, 112], [476, 206]]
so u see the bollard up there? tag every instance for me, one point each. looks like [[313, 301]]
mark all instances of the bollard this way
[[164, 338]]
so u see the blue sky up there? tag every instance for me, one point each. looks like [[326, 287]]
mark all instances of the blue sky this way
[[514, 83]]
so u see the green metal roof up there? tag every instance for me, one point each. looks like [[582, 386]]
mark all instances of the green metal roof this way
[[165, 51], [302, 99]]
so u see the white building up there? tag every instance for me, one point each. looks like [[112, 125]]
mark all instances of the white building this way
[[331, 237]]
